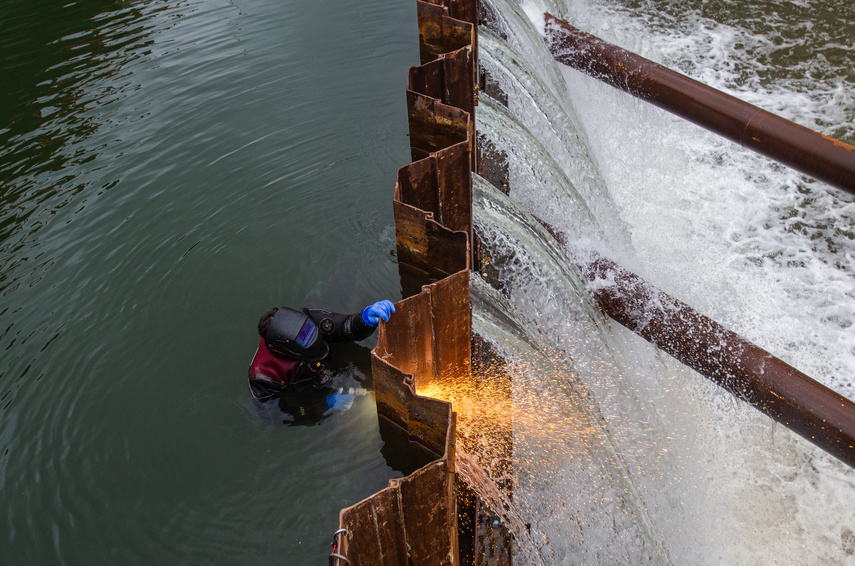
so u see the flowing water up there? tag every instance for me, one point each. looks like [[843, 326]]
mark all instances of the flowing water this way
[[688, 474], [170, 170]]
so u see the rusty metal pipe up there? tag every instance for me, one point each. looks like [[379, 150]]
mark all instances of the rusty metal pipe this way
[[805, 406], [805, 150], [808, 408]]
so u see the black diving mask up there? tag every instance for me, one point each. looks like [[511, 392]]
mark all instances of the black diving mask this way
[[293, 334]]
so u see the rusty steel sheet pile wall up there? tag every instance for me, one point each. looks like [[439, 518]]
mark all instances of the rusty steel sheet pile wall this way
[[414, 520]]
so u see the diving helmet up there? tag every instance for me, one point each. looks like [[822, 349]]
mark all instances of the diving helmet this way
[[293, 334]]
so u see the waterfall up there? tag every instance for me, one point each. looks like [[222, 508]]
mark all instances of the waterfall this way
[[538, 131], [620, 454], [549, 340]]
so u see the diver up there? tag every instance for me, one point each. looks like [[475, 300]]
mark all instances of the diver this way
[[289, 365]]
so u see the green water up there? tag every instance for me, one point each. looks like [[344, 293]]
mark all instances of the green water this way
[[171, 169], [783, 48]]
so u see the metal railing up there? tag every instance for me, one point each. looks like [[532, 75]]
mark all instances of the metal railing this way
[[808, 408], [819, 156]]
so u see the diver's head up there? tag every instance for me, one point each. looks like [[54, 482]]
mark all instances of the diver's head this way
[[291, 333], [264, 321]]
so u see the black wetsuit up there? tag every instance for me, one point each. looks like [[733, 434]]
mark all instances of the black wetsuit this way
[[337, 327], [299, 385]]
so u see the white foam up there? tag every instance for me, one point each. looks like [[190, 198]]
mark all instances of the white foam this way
[[750, 243], [535, 14], [754, 244]]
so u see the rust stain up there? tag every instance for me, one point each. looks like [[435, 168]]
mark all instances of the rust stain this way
[[838, 143], [415, 519]]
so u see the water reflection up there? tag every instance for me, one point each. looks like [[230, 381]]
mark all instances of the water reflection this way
[[63, 76], [162, 181]]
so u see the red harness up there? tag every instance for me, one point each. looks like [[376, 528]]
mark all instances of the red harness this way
[[267, 366]]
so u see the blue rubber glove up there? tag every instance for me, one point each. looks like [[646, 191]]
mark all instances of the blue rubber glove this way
[[342, 399], [372, 314], [339, 401]]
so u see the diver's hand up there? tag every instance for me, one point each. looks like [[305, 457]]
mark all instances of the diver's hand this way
[[372, 314], [340, 401]]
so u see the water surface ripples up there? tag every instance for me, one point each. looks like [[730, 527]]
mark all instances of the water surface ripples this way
[[169, 171]]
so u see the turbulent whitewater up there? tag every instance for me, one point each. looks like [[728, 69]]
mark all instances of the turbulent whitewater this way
[[620, 454]]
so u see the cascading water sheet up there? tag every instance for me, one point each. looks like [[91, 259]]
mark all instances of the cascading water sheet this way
[[756, 246], [564, 460], [539, 131], [700, 477]]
